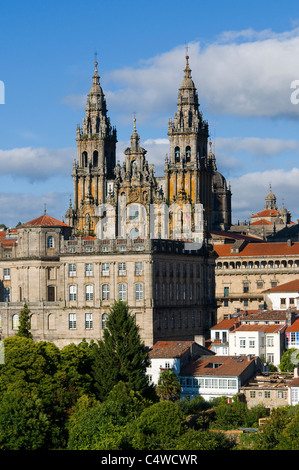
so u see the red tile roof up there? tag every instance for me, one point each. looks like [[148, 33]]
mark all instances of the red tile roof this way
[[294, 326], [259, 249], [226, 366], [226, 324], [262, 327], [169, 348], [261, 222], [267, 213], [292, 286], [44, 221]]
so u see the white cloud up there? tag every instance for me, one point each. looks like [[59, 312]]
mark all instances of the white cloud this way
[[249, 192], [36, 163], [22, 207], [244, 73]]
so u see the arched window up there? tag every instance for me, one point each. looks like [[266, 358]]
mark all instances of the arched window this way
[[105, 292], [177, 154], [15, 321], [72, 293], [104, 320], [188, 153], [84, 159], [50, 242], [89, 292], [51, 321], [95, 158], [139, 292]]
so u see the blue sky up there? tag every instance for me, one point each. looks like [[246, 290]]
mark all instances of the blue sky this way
[[243, 55]]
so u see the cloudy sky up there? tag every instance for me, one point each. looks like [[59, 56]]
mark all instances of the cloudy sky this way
[[244, 58]]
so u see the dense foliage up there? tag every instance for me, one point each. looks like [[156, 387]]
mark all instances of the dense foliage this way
[[53, 398]]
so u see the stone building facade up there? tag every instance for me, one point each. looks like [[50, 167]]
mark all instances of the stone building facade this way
[[127, 236], [245, 270]]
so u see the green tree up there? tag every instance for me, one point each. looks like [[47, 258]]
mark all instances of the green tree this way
[[286, 364], [168, 387], [230, 415], [25, 323], [121, 355], [104, 426], [24, 422], [158, 427], [203, 440], [289, 438]]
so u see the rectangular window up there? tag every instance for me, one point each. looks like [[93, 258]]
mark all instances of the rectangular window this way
[[282, 302], [88, 321], [72, 321], [138, 268], [122, 292], [139, 292], [72, 270], [226, 291], [267, 394], [270, 340], [88, 269], [105, 292], [251, 342], [242, 343], [6, 294], [121, 269], [6, 274], [105, 269], [252, 393]]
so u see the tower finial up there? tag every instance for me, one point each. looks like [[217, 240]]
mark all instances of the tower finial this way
[[187, 55]]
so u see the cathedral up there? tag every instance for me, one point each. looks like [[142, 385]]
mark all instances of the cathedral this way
[[192, 189], [128, 235]]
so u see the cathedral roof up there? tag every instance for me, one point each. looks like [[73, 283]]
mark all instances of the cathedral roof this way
[[44, 221], [267, 213]]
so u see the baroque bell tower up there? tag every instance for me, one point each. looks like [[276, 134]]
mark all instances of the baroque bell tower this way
[[96, 155], [188, 174]]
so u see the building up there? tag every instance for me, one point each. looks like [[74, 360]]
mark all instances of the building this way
[[271, 390], [283, 296], [264, 333], [191, 179], [271, 223], [245, 270], [172, 355], [215, 376], [128, 235]]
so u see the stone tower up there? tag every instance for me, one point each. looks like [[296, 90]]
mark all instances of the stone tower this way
[[188, 175], [94, 168]]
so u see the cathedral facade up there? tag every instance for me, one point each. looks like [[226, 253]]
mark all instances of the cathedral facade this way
[[128, 235], [188, 202]]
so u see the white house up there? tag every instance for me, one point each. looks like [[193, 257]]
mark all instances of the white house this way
[[294, 389], [173, 355], [220, 335], [216, 376], [265, 341], [283, 296]]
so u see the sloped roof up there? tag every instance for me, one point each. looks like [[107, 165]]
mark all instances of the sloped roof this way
[[267, 213], [294, 326], [169, 348], [44, 221], [259, 249], [291, 286], [226, 324], [226, 366], [261, 327], [261, 222]]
